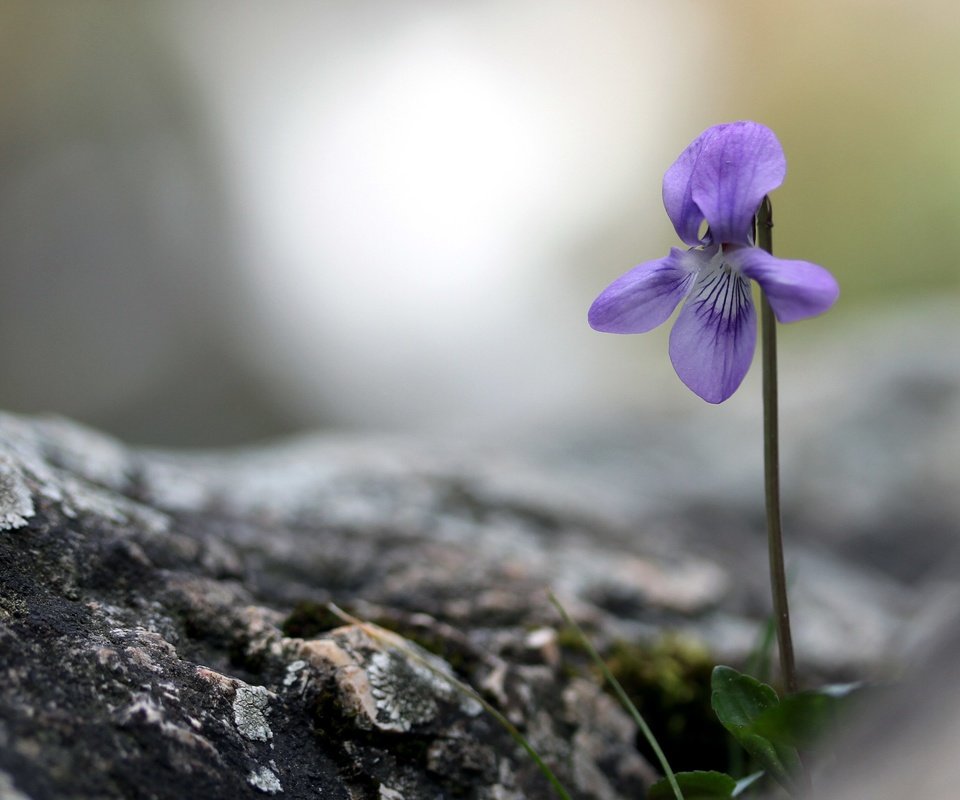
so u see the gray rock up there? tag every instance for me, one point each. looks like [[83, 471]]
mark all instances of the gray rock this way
[[164, 633]]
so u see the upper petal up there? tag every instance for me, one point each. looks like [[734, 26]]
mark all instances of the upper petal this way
[[721, 178], [684, 213], [712, 341], [796, 289], [645, 296], [737, 167]]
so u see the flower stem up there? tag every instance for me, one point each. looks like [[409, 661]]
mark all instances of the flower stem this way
[[771, 463]]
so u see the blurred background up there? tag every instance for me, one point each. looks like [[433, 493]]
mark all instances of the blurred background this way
[[223, 221]]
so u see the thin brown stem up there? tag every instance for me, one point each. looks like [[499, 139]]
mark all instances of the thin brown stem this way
[[771, 463]]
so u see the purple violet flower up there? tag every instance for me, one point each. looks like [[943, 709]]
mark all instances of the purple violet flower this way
[[721, 178]]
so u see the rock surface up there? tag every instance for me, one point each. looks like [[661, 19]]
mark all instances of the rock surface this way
[[164, 629], [164, 634]]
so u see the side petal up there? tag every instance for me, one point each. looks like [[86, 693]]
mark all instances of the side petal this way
[[684, 213], [644, 297], [796, 289], [712, 341], [736, 167]]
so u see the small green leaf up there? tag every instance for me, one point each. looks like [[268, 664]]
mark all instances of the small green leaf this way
[[739, 701], [695, 786], [803, 718]]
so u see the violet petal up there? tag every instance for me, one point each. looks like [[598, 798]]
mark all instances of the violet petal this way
[[712, 341], [796, 289], [684, 213], [736, 166], [646, 296]]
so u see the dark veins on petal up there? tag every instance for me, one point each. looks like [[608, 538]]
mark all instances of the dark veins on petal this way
[[670, 279], [720, 301]]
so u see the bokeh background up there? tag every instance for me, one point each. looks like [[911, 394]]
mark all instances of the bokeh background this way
[[223, 221]]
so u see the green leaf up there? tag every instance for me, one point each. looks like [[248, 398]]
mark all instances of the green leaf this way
[[803, 718], [695, 786], [738, 701]]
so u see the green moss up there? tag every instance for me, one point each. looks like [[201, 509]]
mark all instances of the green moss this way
[[674, 667], [669, 681]]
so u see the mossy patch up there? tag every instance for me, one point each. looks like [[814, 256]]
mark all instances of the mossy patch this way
[[669, 681]]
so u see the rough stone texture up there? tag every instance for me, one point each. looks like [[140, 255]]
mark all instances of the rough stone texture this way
[[164, 633]]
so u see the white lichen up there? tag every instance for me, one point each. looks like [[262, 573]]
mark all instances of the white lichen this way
[[293, 669], [79, 470], [16, 504], [265, 780], [404, 695], [250, 706], [84, 452], [390, 688], [435, 673]]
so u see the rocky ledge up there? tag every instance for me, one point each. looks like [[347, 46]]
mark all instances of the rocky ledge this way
[[165, 633]]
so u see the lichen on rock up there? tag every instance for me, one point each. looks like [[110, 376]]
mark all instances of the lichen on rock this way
[[383, 686], [150, 634], [16, 504], [265, 779], [250, 707]]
